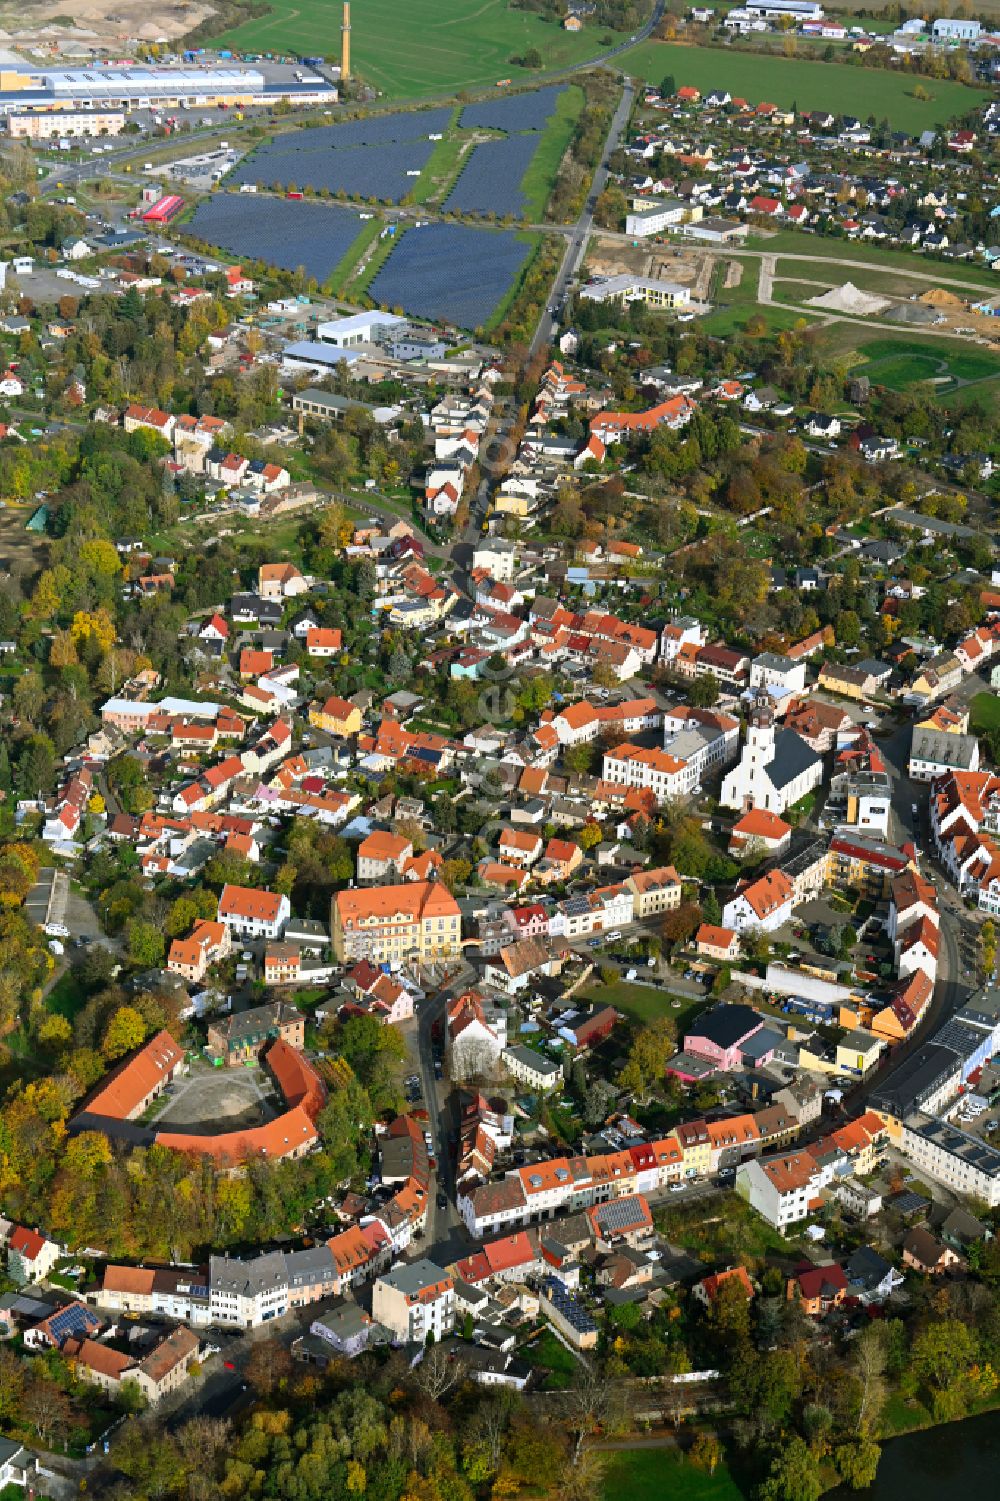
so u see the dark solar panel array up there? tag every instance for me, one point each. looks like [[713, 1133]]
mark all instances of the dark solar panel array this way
[[287, 233], [71, 1321], [513, 111], [492, 176], [359, 171], [378, 131], [619, 1214], [450, 272]]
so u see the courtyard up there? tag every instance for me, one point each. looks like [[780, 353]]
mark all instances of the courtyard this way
[[210, 1101]]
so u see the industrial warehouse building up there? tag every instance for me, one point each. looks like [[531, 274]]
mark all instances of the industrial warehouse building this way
[[51, 89]]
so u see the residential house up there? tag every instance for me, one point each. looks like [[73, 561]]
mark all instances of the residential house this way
[[415, 1300]]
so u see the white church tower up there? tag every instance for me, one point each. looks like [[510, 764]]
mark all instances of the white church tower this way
[[760, 732]]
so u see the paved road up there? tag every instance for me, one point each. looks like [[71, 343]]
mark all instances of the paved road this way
[[499, 450], [445, 1237], [577, 247], [956, 980]]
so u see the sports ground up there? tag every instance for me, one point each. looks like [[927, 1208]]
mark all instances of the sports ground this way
[[427, 47]]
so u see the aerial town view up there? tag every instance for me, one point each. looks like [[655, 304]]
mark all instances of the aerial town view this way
[[499, 750]]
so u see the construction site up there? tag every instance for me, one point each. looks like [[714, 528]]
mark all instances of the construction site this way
[[819, 287]]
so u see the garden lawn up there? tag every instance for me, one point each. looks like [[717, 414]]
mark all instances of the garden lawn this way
[[985, 713], [723, 1229], [66, 996], [548, 1351], [785, 82], [652, 1474], [428, 47], [644, 1003]]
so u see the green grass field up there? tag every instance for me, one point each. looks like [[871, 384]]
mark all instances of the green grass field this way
[[787, 81], [985, 713], [644, 1003], [791, 244], [733, 306], [540, 178], [652, 1474], [428, 47], [890, 282], [550, 1352], [66, 996], [900, 364]]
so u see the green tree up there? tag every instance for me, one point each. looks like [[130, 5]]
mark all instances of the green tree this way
[[126, 1031], [145, 943], [857, 1462], [794, 1474]]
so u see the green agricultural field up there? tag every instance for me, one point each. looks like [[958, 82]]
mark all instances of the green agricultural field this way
[[849, 12], [428, 47], [651, 1474], [808, 85]]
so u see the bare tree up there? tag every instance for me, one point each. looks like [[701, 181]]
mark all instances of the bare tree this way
[[47, 1407], [438, 1371], [869, 1364], [201, 1442], [583, 1481], [590, 1402], [269, 1365], [490, 1424]]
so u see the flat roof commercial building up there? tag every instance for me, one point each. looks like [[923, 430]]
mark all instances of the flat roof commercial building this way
[[147, 87]]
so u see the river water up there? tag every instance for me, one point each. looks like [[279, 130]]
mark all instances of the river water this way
[[955, 1462]]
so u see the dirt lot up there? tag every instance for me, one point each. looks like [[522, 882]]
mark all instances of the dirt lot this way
[[209, 1103], [43, 22], [682, 263], [21, 551]]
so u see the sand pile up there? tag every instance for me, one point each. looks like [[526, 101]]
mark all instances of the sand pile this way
[[850, 299], [938, 297]]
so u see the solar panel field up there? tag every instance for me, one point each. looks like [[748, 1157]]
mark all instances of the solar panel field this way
[[451, 272], [529, 111], [284, 233], [375, 158], [377, 130], [491, 179], [361, 172]]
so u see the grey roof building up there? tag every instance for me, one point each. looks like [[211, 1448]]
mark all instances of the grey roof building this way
[[248, 1279], [792, 756], [311, 1268], [411, 1278], [933, 748], [345, 1326], [918, 1080]]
